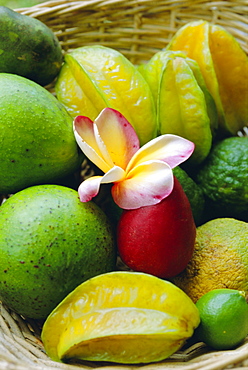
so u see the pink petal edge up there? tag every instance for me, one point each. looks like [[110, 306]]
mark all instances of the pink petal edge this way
[[89, 188]]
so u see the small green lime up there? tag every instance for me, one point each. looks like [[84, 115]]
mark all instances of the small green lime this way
[[224, 318]]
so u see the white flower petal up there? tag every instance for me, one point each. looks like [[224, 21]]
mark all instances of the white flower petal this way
[[102, 147], [147, 184], [85, 136], [115, 174], [168, 148], [118, 135], [90, 187], [90, 152]]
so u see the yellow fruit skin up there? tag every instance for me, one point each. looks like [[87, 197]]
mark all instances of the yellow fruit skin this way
[[70, 90], [219, 260], [224, 66], [182, 108], [231, 68], [153, 69], [184, 105], [211, 106], [103, 302], [193, 40], [96, 77], [88, 336]]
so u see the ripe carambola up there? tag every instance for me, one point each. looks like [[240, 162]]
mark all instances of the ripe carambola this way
[[158, 239]]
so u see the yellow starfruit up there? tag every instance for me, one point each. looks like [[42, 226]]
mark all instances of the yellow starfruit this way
[[95, 77], [224, 66], [121, 316], [184, 104]]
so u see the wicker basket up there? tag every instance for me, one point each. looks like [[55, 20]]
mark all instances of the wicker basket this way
[[138, 29]]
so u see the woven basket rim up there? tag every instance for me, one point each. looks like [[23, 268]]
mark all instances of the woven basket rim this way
[[140, 36], [135, 33], [19, 334]]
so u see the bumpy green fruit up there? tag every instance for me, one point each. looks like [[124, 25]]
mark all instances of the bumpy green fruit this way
[[28, 47], [37, 144], [194, 193], [50, 242]]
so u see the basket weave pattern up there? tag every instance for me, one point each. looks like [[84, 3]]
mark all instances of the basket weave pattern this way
[[138, 29]]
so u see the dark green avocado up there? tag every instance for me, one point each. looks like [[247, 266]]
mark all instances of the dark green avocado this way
[[28, 47]]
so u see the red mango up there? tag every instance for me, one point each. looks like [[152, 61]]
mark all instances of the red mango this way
[[158, 239]]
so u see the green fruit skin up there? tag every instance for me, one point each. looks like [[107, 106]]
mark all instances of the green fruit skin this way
[[50, 242], [28, 47], [224, 318], [223, 178], [37, 144], [194, 193]]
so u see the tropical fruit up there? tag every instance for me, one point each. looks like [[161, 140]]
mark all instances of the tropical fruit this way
[[36, 135], [184, 105], [192, 190], [121, 316], [49, 243], [28, 47], [223, 178], [154, 69], [224, 66], [158, 239], [220, 259], [224, 318], [96, 77]]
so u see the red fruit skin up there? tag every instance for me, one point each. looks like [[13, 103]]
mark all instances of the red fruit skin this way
[[159, 239]]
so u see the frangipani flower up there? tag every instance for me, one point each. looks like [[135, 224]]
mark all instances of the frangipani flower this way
[[140, 176]]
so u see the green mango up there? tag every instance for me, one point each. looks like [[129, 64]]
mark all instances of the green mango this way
[[50, 242], [28, 47], [37, 144]]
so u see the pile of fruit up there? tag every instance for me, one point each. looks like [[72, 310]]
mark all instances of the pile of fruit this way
[[166, 198]]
